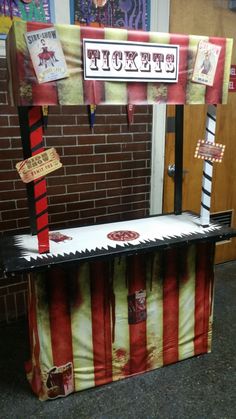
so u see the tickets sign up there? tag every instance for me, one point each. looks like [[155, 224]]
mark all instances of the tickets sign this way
[[39, 165], [130, 61], [207, 150]]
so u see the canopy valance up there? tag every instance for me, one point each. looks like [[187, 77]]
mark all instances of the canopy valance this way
[[75, 90]]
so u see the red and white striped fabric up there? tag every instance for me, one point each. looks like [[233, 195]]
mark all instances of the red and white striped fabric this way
[[106, 320]]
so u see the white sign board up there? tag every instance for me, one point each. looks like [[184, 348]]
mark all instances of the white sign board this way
[[130, 61]]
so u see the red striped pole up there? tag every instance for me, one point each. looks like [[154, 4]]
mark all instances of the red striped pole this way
[[31, 126]]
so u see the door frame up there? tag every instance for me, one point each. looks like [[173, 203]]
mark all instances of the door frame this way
[[159, 22]]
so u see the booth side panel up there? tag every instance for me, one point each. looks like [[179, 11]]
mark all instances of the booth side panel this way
[[101, 322]]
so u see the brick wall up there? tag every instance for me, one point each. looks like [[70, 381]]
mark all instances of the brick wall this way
[[105, 175]]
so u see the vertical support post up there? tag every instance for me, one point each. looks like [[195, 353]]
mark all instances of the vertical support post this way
[[208, 168], [30, 120], [179, 133]]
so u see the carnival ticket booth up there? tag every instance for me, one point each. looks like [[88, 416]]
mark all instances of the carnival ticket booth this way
[[109, 301]]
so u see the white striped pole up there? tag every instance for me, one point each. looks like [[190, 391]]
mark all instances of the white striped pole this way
[[208, 168]]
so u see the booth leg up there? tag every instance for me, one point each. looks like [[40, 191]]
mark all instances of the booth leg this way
[[31, 127]]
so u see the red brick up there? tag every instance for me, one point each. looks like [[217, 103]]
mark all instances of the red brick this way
[[53, 131], [118, 157], [119, 138], [108, 148], [109, 218], [64, 142], [3, 85], [14, 121], [58, 173], [141, 172], [73, 110], [62, 180], [61, 120], [4, 143], [3, 62], [7, 175], [92, 212], [80, 187], [140, 189], [91, 139], [56, 190], [6, 186], [16, 143], [68, 160], [54, 218], [71, 170], [18, 184], [134, 214], [77, 206], [7, 205], [145, 118], [133, 198], [144, 136], [8, 110], [111, 109], [141, 155], [91, 177], [100, 129], [11, 154], [4, 121], [23, 224], [119, 191], [55, 209], [134, 146], [107, 167], [108, 184], [10, 132], [86, 196], [119, 208], [91, 159], [116, 119], [134, 181], [5, 164], [119, 175], [79, 150], [13, 194], [14, 214], [3, 98], [134, 128], [3, 73], [63, 199], [133, 164], [107, 202], [76, 130]]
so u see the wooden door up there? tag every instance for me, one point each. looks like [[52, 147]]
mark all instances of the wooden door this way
[[210, 18]]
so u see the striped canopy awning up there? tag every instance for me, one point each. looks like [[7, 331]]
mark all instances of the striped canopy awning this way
[[74, 90]]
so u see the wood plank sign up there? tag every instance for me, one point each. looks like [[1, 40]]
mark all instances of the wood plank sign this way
[[39, 165], [130, 61]]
